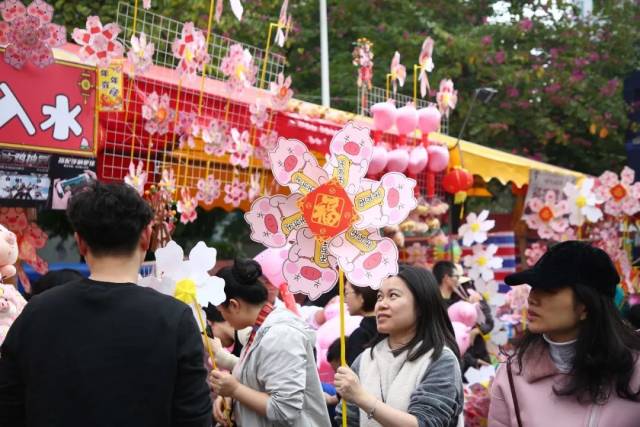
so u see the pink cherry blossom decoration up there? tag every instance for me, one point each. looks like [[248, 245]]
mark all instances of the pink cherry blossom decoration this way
[[98, 43]]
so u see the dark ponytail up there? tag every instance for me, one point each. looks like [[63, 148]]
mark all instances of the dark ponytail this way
[[242, 281]]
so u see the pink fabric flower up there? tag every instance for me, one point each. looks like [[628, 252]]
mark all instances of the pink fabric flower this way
[[548, 217], [214, 139], [534, 253], [267, 142], [187, 129], [235, 192], [191, 50], [141, 54], [280, 92], [254, 186], [146, 4], [157, 113], [28, 34], [398, 72], [621, 196], [447, 97], [167, 182], [98, 43], [208, 190], [241, 149], [239, 69], [186, 206], [236, 8], [259, 114], [136, 177]]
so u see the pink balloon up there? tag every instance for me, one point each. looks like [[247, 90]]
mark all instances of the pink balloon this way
[[384, 115], [407, 119], [429, 119], [271, 261], [378, 160], [461, 332], [398, 160], [438, 158], [418, 160]]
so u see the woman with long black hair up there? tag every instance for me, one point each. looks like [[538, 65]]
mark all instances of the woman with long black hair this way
[[411, 376], [578, 363]]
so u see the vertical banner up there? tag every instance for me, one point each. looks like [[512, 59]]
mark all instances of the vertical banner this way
[[110, 93]]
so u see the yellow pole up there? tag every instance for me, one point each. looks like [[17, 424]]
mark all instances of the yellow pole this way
[[126, 114], [266, 54], [204, 329], [388, 84], [204, 69], [173, 141], [416, 69], [343, 349]]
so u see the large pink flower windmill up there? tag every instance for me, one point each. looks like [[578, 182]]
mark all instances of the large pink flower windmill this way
[[333, 214]]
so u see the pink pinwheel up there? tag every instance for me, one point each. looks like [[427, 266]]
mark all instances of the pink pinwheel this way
[[426, 65], [259, 114], [146, 4], [239, 69], [534, 253], [284, 24], [214, 139], [167, 183], [620, 196], [333, 215], [136, 177], [398, 72], [447, 97], [236, 8], [280, 92], [548, 217], [98, 43], [186, 206], [254, 186], [208, 190], [235, 192], [28, 33], [141, 54], [241, 149], [191, 50], [157, 113]]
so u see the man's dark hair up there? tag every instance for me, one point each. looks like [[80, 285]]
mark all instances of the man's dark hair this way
[[633, 316], [442, 269], [333, 352], [213, 314], [369, 297], [109, 217], [54, 278]]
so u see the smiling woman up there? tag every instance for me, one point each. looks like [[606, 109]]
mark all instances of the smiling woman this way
[[411, 375]]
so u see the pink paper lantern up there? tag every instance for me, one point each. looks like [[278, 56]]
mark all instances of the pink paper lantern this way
[[429, 119], [378, 160], [384, 115], [438, 158], [418, 160], [398, 160], [407, 119]]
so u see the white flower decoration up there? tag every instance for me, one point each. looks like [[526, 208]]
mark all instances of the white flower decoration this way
[[482, 262], [476, 228], [582, 202]]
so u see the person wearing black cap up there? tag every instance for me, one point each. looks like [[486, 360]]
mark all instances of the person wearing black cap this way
[[577, 365]]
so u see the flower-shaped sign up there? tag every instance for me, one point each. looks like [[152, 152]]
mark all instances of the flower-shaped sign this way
[[214, 139], [141, 53], [476, 228], [240, 149], [191, 50], [259, 114], [188, 280], [280, 92], [548, 216], [235, 192], [333, 214], [398, 72], [239, 69], [28, 33], [157, 113], [447, 97], [136, 177], [426, 65], [619, 195], [582, 202], [98, 43], [482, 262]]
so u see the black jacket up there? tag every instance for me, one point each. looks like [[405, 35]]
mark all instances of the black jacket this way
[[360, 337], [103, 355]]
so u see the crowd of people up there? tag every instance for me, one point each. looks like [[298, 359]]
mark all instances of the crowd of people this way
[[103, 351]]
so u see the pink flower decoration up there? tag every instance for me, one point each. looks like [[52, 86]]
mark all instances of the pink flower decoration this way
[[167, 182], [191, 50], [208, 190], [526, 25], [141, 54], [136, 177], [259, 114], [267, 142], [254, 186], [534, 253], [28, 33], [215, 139], [157, 113], [619, 195], [146, 4], [447, 97], [241, 149], [98, 43], [280, 92], [187, 207], [235, 192], [398, 72], [239, 69], [548, 216], [187, 129]]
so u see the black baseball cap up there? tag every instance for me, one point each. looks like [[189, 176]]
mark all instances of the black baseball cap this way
[[569, 263]]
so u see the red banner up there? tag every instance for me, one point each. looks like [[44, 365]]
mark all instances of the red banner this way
[[314, 133], [51, 109]]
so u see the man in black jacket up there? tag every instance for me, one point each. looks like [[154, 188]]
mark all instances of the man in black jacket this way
[[103, 351]]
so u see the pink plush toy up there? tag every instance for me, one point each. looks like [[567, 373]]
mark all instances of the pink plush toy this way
[[384, 115], [461, 332], [11, 305], [398, 160], [418, 160], [463, 312], [8, 253], [429, 119], [407, 119], [438, 158], [378, 160]]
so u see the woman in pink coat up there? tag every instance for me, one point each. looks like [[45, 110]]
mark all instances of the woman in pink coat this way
[[578, 364]]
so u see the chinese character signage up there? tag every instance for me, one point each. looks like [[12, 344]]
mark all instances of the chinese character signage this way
[[49, 110], [110, 88]]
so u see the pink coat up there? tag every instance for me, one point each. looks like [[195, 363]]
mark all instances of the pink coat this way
[[540, 407]]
